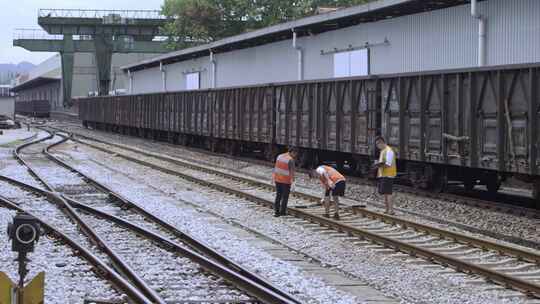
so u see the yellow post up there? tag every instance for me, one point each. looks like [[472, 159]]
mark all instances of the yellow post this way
[[34, 292], [6, 289]]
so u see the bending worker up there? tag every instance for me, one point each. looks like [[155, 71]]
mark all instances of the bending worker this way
[[283, 176], [387, 171], [333, 183]]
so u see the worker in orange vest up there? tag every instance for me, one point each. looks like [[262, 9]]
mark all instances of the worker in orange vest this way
[[333, 183], [386, 172], [283, 177]]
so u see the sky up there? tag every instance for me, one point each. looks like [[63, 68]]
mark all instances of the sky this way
[[23, 14]]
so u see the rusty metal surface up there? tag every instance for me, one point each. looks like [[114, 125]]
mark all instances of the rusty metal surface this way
[[495, 111], [35, 108]]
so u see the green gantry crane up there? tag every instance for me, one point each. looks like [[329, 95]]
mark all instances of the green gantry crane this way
[[101, 32]]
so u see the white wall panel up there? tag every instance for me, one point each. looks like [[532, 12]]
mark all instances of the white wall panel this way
[[441, 39]]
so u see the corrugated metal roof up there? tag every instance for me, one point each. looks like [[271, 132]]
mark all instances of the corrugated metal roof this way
[[370, 12], [34, 83]]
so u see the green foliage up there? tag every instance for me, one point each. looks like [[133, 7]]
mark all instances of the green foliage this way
[[201, 21]]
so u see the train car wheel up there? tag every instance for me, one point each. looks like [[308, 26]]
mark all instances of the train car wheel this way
[[469, 182], [340, 165], [213, 146], [493, 185], [414, 179], [235, 149], [269, 153], [440, 182], [304, 159], [183, 140], [232, 148], [536, 193]]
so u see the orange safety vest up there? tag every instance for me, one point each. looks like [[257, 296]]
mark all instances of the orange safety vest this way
[[281, 172], [333, 174]]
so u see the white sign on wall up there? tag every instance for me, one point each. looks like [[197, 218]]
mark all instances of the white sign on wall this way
[[353, 63], [192, 81]]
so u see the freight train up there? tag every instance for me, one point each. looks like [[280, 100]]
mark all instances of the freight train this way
[[33, 108], [477, 126]]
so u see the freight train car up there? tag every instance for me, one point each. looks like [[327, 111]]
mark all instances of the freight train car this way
[[34, 108], [229, 120], [477, 126]]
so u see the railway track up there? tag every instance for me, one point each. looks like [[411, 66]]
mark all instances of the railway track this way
[[453, 198], [63, 233], [460, 196], [182, 268], [505, 265]]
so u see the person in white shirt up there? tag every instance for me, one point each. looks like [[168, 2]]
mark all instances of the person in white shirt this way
[[333, 183], [386, 172]]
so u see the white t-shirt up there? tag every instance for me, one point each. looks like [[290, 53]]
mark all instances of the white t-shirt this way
[[389, 160], [389, 157]]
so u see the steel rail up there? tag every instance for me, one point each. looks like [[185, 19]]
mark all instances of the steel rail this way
[[458, 237], [193, 242], [120, 265], [238, 275], [170, 245], [463, 266], [456, 198], [102, 268], [230, 275]]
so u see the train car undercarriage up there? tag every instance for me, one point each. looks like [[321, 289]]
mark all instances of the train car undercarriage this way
[[424, 176]]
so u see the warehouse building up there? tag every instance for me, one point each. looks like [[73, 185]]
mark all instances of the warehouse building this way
[[7, 101], [382, 37], [41, 83], [44, 82]]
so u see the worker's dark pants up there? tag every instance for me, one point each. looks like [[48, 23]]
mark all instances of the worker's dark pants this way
[[282, 197]]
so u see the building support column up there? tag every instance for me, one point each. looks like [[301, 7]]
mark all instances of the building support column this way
[[300, 59], [213, 64], [130, 76], [104, 51], [67, 58], [482, 29], [163, 76]]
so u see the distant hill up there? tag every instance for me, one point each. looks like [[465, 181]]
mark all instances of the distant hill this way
[[9, 70], [21, 67]]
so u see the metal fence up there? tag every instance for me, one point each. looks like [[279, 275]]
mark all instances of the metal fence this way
[[34, 34], [90, 13]]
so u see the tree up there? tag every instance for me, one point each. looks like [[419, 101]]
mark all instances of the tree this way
[[203, 21]]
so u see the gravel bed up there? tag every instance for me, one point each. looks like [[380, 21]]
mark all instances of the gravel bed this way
[[370, 199], [12, 137], [308, 288], [10, 167], [13, 169], [371, 224], [57, 176], [173, 277], [40, 207], [68, 278], [480, 218], [410, 282], [140, 253]]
